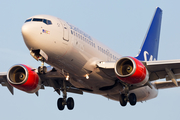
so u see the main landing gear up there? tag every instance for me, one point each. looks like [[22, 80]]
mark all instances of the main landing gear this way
[[61, 101], [124, 98], [64, 101], [127, 97]]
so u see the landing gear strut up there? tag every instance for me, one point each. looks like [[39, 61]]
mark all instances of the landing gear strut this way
[[42, 69], [64, 101]]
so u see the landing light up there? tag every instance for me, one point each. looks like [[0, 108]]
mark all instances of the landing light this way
[[67, 77], [87, 76]]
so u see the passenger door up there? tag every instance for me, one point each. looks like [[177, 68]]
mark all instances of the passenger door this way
[[65, 33]]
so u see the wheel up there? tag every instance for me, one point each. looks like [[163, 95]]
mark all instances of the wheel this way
[[70, 103], [42, 70], [60, 104], [132, 99], [122, 100]]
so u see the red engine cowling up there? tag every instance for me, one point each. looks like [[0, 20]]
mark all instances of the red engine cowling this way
[[24, 78], [131, 71]]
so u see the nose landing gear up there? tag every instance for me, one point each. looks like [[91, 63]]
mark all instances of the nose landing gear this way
[[42, 69]]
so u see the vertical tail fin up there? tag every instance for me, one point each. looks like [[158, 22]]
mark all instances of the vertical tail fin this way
[[149, 49]]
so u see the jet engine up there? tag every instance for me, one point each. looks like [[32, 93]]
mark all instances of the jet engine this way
[[131, 71], [24, 78]]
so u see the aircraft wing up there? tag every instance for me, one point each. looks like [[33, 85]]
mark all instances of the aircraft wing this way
[[55, 79], [169, 69], [51, 79], [3, 82], [162, 69]]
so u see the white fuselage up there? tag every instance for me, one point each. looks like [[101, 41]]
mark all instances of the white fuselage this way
[[75, 52]]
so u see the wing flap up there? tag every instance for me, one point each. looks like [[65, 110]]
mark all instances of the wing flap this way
[[77, 91], [155, 75], [165, 84]]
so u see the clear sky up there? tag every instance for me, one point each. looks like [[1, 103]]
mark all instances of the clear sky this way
[[119, 24]]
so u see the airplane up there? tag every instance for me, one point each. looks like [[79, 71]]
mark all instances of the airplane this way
[[79, 63]]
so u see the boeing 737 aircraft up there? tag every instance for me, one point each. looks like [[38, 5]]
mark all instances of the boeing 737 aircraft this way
[[79, 63]]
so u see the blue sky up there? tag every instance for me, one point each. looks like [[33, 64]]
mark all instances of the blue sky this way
[[119, 24]]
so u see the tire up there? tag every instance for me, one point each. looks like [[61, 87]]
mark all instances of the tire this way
[[70, 103], [122, 100], [42, 70], [132, 99], [60, 104]]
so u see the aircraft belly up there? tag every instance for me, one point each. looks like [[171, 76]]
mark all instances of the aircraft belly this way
[[142, 94], [95, 83], [145, 93]]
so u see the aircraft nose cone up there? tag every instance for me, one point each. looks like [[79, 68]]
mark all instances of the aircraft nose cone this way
[[24, 30], [30, 34], [26, 35]]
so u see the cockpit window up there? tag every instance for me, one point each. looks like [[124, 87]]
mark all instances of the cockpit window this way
[[47, 22], [28, 20], [37, 19]]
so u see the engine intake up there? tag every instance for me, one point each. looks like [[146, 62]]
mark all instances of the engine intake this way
[[125, 67], [17, 75]]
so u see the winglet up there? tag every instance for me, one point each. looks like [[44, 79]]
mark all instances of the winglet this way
[[149, 49]]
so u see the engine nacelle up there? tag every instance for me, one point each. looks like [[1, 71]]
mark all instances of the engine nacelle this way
[[24, 78], [131, 71]]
